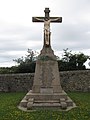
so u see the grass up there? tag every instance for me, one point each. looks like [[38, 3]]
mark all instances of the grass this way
[[9, 110]]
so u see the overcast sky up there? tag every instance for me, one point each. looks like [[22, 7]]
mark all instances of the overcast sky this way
[[18, 32]]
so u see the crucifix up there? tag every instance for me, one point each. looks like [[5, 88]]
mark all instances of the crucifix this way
[[46, 90], [47, 20]]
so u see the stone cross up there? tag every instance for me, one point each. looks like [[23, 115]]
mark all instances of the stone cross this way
[[46, 91], [47, 20]]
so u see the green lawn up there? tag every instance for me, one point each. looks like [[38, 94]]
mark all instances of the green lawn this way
[[9, 110]]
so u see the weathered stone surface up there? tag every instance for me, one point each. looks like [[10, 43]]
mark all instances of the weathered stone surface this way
[[70, 81], [16, 82], [69, 102], [39, 96], [46, 73], [46, 90], [23, 103], [29, 105], [62, 99], [63, 105]]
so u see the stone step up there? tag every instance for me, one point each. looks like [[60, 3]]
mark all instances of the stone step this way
[[69, 102], [23, 103], [46, 96], [46, 105], [46, 101]]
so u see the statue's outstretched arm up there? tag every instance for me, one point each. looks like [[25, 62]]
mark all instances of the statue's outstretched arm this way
[[55, 19], [39, 19]]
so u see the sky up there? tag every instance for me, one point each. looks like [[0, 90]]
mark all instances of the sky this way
[[18, 32]]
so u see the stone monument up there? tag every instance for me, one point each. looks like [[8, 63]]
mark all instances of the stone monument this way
[[46, 91]]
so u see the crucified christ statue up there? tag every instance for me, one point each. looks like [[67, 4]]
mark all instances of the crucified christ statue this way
[[47, 20], [47, 28]]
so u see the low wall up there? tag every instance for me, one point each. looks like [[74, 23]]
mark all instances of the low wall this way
[[16, 82], [70, 81]]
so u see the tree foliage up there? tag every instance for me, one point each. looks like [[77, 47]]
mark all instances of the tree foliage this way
[[26, 64], [72, 61], [69, 61]]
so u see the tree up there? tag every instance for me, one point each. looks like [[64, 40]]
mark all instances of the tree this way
[[69, 61], [72, 61], [27, 64]]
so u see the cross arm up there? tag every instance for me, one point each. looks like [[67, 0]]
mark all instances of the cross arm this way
[[56, 19], [38, 19]]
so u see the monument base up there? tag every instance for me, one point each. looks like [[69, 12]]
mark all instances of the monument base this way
[[36, 101], [46, 92]]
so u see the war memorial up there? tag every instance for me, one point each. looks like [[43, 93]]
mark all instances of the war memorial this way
[[46, 92]]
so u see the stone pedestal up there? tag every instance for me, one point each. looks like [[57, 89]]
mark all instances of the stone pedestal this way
[[46, 91]]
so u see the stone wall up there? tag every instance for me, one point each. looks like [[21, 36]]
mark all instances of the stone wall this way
[[16, 82], [70, 81], [76, 80]]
